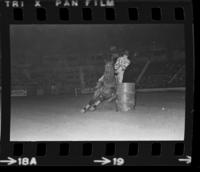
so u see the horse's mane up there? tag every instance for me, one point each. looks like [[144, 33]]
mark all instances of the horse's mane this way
[[109, 74]]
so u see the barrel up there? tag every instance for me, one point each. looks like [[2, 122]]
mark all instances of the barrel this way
[[126, 97]]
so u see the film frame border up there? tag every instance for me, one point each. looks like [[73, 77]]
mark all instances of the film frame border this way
[[75, 157]]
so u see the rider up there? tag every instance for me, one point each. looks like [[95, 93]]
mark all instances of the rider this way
[[121, 64]]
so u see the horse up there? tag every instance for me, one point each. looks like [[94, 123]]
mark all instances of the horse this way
[[105, 88]]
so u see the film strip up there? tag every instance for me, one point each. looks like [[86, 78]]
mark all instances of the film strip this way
[[31, 135]]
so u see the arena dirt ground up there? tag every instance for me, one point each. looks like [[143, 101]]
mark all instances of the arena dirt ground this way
[[158, 116]]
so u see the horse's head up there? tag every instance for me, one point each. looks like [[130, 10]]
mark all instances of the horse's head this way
[[109, 66], [109, 69]]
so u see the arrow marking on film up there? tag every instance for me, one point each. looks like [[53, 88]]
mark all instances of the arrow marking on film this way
[[103, 161], [10, 161], [187, 160]]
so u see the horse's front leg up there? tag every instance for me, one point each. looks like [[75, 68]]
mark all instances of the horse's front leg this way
[[115, 100], [85, 109]]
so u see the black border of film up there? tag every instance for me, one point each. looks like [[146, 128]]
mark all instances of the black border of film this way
[[48, 152]]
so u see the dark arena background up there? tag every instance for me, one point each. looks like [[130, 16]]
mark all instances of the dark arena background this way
[[54, 69]]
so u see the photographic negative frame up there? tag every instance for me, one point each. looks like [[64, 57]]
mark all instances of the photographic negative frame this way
[[94, 153]]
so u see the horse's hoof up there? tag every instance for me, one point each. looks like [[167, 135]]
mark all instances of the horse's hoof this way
[[83, 110], [92, 109]]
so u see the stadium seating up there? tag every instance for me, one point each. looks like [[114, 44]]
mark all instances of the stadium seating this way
[[164, 74], [67, 75]]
